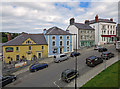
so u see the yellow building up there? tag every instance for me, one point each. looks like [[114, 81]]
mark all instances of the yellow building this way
[[25, 46]]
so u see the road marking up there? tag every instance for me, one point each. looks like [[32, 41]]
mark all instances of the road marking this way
[[56, 84]]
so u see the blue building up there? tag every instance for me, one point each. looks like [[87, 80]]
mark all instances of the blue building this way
[[59, 41]]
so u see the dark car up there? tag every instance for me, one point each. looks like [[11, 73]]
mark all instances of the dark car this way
[[69, 74], [4, 80], [107, 55], [74, 54], [93, 61], [102, 49], [37, 66]]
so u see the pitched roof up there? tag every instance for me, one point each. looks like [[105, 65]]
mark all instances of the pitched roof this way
[[83, 26], [102, 20], [56, 31], [37, 38]]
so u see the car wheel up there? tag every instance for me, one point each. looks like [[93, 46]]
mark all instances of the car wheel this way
[[13, 80], [68, 81]]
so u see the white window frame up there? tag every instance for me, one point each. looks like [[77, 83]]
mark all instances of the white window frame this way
[[55, 43], [59, 43], [69, 43]]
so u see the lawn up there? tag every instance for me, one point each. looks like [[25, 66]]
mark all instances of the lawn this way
[[107, 78]]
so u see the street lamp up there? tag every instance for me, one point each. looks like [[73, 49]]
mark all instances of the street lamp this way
[[76, 64]]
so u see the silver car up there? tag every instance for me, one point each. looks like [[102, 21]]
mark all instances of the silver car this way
[[59, 58]]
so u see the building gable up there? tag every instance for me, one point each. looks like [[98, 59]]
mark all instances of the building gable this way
[[28, 41]]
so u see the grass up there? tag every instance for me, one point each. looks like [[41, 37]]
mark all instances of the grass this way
[[107, 78]]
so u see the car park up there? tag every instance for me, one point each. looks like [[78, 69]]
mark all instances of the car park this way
[[93, 61], [102, 49], [107, 55], [97, 47], [37, 66], [69, 74], [74, 54], [4, 80], [59, 58]]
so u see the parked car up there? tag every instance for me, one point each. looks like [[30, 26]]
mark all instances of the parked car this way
[[74, 54], [102, 49], [37, 66], [69, 74], [93, 61], [97, 47], [107, 55], [61, 57], [4, 80]]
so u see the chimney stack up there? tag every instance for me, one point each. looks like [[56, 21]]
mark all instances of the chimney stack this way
[[72, 21], [9, 36], [96, 18], [44, 31], [111, 19], [87, 22]]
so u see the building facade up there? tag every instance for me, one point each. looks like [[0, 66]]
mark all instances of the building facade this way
[[25, 47], [85, 34], [105, 30], [59, 41]]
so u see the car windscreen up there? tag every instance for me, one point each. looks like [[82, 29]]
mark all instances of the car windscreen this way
[[63, 55]]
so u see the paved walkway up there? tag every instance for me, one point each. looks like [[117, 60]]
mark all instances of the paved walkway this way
[[92, 73]]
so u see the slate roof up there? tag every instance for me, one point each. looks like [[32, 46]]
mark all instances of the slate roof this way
[[102, 20], [37, 38], [56, 31], [83, 26]]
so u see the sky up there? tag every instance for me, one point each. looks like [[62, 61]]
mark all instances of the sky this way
[[34, 16]]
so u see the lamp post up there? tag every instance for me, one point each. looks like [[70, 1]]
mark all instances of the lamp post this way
[[76, 64]]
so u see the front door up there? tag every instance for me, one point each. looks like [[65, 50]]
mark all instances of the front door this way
[[61, 50], [39, 55]]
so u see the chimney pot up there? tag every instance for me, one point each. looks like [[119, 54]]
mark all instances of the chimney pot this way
[[111, 19], [96, 18]]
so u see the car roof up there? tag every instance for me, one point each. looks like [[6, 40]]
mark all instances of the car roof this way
[[92, 57], [67, 71], [106, 52]]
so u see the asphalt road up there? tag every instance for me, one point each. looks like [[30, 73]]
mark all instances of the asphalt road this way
[[50, 77]]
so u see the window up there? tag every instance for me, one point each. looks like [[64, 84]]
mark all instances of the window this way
[[68, 43], [17, 49], [63, 56], [103, 26], [108, 32], [104, 32], [68, 49], [28, 42], [53, 37], [17, 57], [60, 37], [42, 47], [113, 32], [108, 26], [111, 27], [53, 43], [68, 37], [29, 47], [104, 38], [61, 43], [81, 37]]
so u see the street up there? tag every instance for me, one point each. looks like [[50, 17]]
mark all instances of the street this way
[[51, 76]]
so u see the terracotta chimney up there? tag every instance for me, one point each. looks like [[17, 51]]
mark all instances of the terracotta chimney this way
[[111, 19], [9, 36], [96, 18], [72, 21], [87, 22]]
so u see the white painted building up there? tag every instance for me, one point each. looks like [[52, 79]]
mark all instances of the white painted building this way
[[105, 30]]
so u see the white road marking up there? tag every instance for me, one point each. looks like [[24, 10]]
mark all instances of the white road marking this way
[[56, 84]]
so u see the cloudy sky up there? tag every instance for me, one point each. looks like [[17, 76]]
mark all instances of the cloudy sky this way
[[34, 16]]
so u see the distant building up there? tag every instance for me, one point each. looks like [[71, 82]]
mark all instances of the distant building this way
[[118, 32], [25, 46], [59, 41], [105, 30], [85, 34]]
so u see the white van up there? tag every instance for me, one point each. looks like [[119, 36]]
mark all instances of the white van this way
[[61, 57]]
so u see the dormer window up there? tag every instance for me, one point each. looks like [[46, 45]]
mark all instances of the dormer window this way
[[28, 42]]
